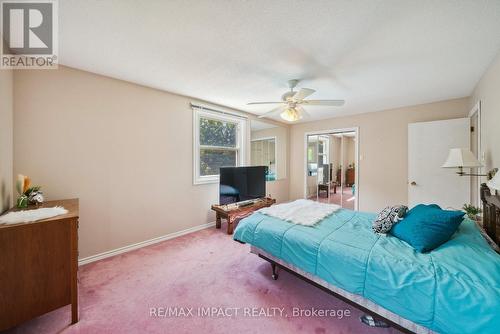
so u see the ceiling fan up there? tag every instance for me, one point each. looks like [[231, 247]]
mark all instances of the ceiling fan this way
[[290, 107]]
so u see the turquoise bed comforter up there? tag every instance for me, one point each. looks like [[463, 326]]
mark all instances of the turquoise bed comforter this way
[[453, 289]]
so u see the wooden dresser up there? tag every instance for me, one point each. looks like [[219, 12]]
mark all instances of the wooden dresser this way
[[38, 266], [350, 177]]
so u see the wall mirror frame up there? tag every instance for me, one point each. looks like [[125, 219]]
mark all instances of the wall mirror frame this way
[[268, 147], [263, 153]]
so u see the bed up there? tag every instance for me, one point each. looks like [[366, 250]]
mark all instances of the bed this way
[[453, 289]]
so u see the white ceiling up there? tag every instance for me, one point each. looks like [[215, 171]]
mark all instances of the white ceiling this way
[[374, 54], [259, 125]]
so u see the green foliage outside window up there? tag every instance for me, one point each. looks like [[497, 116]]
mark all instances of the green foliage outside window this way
[[217, 133], [218, 145], [212, 160]]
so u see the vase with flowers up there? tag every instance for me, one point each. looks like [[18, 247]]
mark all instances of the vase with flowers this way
[[27, 193]]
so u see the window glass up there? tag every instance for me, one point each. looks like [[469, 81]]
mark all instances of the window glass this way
[[219, 142], [211, 160], [217, 133]]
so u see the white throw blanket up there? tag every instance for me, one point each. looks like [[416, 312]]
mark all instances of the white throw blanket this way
[[301, 211], [26, 216]]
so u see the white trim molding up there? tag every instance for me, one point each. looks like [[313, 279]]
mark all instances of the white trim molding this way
[[476, 110], [218, 110], [141, 244]]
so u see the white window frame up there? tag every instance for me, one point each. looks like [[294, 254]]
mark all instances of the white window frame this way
[[326, 148], [241, 130]]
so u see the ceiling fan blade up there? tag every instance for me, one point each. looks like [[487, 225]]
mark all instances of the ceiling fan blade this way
[[335, 103], [302, 94], [273, 112], [253, 103]]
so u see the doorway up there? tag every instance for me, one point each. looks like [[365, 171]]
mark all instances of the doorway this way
[[429, 144], [331, 167]]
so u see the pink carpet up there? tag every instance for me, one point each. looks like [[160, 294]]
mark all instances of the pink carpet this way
[[202, 269]]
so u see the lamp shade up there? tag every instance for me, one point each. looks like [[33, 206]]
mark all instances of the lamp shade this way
[[494, 183], [291, 114], [461, 157]]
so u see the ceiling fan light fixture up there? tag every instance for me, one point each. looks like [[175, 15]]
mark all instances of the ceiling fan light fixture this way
[[292, 102], [291, 114]]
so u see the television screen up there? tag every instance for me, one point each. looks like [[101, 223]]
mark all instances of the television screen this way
[[239, 184]]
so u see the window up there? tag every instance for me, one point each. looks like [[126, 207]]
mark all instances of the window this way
[[323, 147], [218, 142]]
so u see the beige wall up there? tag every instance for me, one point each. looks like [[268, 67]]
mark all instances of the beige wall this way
[[6, 129], [125, 150], [335, 154], [488, 92], [350, 151], [383, 149]]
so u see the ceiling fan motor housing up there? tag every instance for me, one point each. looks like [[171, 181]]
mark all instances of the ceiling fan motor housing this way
[[287, 96], [293, 83]]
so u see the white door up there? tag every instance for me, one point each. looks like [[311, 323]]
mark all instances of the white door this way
[[428, 147]]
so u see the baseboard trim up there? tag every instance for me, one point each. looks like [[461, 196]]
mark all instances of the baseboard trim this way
[[141, 244]]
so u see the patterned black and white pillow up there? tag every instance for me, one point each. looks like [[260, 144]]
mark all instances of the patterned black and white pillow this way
[[388, 217]]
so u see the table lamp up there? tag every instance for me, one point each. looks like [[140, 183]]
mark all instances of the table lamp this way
[[462, 158]]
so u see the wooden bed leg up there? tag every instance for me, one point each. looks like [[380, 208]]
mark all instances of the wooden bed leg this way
[[217, 220], [230, 225], [275, 271]]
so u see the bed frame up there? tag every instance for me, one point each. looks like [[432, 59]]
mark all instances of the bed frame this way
[[357, 301], [491, 213]]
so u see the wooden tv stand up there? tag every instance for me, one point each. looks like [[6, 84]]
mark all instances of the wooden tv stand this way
[[233, 213]]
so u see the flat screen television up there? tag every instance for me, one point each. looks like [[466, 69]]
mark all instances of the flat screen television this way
[[238, 184]]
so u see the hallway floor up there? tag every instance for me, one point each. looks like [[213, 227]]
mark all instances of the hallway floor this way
[[348, 197]]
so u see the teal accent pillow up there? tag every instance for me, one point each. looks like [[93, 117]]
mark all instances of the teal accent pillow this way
[[426, 227]]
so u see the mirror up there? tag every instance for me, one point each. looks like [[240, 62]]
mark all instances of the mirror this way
[[331, 171], [268, 148]]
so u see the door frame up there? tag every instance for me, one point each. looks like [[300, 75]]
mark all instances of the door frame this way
[[356, 156], [480, 156]]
